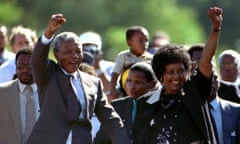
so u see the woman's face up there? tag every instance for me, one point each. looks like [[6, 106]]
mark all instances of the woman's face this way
[[137, 83], [174, 78]]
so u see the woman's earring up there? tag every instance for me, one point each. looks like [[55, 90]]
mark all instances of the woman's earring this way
[[182, 92]]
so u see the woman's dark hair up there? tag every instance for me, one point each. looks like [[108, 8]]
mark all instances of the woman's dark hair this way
[[169, 54]]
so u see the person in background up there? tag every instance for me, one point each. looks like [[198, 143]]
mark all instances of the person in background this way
[[229, 63], [5, 55], [159, 39], [19, 109], [137, 40], [92, 43], [175, 113], [69, 97], [141, 83], [20, 37]]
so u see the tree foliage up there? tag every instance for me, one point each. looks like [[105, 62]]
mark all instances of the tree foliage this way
[[185, 21]]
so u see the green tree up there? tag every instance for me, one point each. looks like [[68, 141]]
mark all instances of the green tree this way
[[111, 19], [10, 14]]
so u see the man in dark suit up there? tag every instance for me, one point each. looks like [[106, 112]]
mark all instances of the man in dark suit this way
[[141, 83], [13, 102], [69, 97], [226, 118]]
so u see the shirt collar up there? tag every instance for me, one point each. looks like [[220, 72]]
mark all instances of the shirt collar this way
[[230, 83], [215, 103], [74, 74], [133, 55], [22, 86], [150, 93], [155, 96]]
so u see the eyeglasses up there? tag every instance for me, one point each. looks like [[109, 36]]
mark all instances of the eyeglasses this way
[[91, 49]]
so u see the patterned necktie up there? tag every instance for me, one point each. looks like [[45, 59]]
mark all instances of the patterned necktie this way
[[30, 113], [74, 107]]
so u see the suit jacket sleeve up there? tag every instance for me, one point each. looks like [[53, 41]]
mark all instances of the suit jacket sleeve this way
[[39, 63], [41, 67], [110, 121]]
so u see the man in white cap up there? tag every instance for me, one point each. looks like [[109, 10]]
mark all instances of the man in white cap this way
[[92, 43]]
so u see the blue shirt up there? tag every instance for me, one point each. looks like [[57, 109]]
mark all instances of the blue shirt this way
[[215, 110]]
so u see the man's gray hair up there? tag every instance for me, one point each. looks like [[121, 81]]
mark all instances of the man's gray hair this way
[[232, 53], [63, 37]]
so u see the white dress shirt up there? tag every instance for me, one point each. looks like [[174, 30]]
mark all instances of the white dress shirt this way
[[78, 90], [7, 70]]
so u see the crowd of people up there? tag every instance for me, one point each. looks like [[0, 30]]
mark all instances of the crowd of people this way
[[155, 92]]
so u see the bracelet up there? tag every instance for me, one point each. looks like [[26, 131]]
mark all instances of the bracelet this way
[[216, 29]]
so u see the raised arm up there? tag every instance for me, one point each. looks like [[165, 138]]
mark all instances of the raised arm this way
[[39, 60], [205, 65]]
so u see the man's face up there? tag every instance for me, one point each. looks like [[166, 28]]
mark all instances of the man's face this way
[[23, 69], [69, 56], [21, 41], [137, 84], [3, 38], [228, 68]]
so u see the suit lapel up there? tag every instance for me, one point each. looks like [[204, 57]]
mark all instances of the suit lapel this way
[[63, 84], [227, 116], [13, 103]]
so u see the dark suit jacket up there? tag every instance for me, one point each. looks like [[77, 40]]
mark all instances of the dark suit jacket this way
[[10, 121], [228, 92], [52, 126], [230, 121], [123, 107]]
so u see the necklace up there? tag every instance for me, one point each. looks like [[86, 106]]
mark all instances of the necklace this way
[[167, 105]]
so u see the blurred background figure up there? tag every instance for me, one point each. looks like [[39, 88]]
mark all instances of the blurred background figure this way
[[92, 43], [137, 39], [195, 52], [158, 40], [229, 64], [21, 37], [88, 58], [5, 55]]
